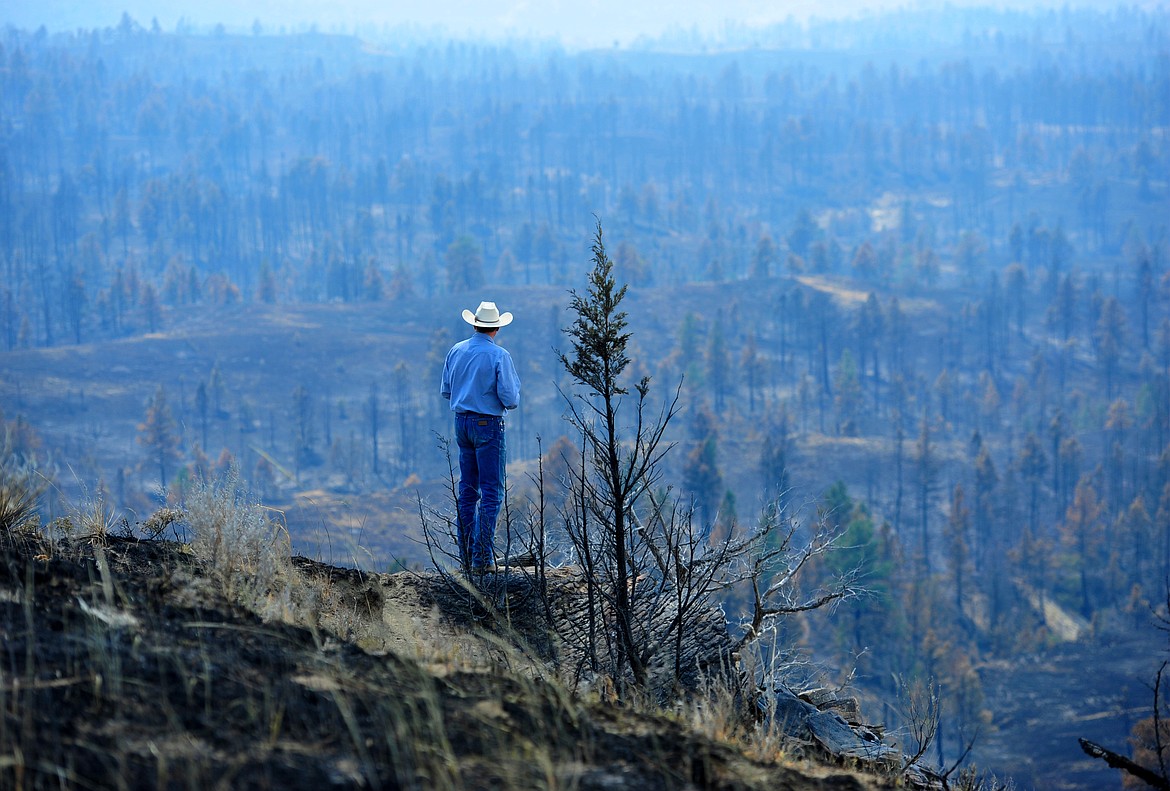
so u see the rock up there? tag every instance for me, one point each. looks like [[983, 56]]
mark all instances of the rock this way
[[829, 699], [833, 733], [792, 714], [823, 726]]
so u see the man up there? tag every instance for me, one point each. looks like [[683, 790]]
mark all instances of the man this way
[[480, 380]]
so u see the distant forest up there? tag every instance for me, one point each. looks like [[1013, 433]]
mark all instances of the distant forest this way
[[916, 265], [143, 168]]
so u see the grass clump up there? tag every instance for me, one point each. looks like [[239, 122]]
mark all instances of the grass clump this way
[[19, 494], [245, 551]]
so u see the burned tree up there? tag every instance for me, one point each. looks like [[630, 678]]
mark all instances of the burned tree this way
[[651, 567], [617, 472]]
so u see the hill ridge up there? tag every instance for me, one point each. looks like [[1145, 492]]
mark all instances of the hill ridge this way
[[129, 668]]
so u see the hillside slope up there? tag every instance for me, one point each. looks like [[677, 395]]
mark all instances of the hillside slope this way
[[126, 667]]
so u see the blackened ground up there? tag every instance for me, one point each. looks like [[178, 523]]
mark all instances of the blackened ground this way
[[123, 667]]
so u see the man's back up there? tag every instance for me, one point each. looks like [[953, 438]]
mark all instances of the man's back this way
[[479, 376]]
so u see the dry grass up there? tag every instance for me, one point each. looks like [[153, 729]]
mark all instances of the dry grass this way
[[130, 664], [18, 496], [242, 547]]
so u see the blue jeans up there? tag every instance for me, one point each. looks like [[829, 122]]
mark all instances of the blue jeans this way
[[481, 478]]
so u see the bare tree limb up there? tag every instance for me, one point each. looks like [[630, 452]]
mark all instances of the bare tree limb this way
[[962, 757], [923, 713], [1118, 761], [1158, 745]]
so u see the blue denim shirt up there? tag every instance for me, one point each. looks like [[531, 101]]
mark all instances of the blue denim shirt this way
[[479, 376]]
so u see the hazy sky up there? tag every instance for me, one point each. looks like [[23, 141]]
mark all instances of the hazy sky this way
[[574, 22]]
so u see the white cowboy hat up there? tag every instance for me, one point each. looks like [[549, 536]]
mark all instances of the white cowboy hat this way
[[487, 315]]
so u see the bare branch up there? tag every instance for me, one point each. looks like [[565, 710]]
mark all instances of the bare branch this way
[[1118, 761], [1158, 745], [923, 713], [962, 756]]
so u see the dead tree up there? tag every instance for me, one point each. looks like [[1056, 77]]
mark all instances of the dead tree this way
[[653, 571], [622, 461], [1118, 761]]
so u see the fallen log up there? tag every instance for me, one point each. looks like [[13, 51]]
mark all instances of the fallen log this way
[[1118, 761]]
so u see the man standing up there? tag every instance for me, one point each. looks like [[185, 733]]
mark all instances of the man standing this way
[[480, 380]]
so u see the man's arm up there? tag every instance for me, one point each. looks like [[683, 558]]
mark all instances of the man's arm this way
[[507, 382], [445, 386]]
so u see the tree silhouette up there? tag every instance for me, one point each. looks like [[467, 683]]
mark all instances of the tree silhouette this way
[[201, 407], [372, 417], [464, 265], [847, 400], [776, 461], [958, 545], [1108, 341], [1084, 535], [925, 466], [701, 474], [718, 367], [304, 437], [764, 257], [866, 552], [620, 467], [986, 528], [159, 435], [1033, 466]]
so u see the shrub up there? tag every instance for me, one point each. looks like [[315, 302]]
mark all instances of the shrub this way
[[247, 553]]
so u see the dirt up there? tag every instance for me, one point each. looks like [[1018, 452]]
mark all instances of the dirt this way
[[124, 667], [1045, 702]]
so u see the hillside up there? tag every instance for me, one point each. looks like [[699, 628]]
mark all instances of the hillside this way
[[127, 667]]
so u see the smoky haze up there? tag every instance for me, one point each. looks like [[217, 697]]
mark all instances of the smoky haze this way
[[590, 24], [912, 271]]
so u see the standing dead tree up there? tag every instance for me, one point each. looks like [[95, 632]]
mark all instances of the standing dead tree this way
[[615, 471], [652, 570]]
